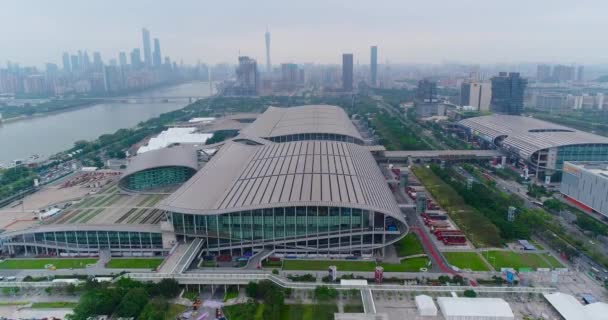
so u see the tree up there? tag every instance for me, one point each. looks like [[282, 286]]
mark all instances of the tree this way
[[155, 309], [252, 289], [443, 279], [168, 288], [470, 293], [132, 303], [324, 293]]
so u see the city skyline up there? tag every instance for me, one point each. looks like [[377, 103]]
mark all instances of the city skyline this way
[[399, 28]]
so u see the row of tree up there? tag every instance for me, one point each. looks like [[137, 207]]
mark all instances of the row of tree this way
[[126, 298], [494, 204]]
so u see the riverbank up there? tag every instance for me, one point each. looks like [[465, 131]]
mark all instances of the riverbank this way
[[91, 101], [50, 113], [50, 133]]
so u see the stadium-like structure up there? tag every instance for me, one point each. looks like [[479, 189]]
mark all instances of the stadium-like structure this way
[[296, 180]]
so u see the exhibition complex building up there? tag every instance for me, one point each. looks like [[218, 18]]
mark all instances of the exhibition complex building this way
[[296, 180], [542, 145]]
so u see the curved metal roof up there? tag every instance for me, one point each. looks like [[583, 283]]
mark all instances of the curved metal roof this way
[[525, 135], [173, 156], [302, 173], [275, 122]]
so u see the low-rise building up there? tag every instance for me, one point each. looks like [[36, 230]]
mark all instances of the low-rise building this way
[[587, 184]]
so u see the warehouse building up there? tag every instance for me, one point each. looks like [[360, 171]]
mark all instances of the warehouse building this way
[[296, 180], [542, 145], [586, 183]]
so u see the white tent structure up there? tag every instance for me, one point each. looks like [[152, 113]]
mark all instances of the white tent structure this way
[[475, 309], [175, 135], [571, 309], [426, 306]]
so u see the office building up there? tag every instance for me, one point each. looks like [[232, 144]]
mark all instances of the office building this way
[[97, 62], [374, 65], [599, 98], [426, 91], [267, 38], [157, 54], [347, 72], [122, 58], [542, 145], [136, 59], [586, 183], [562, 73], [75, 63], [296, 180], [508, 93], [145, 34], [543, 73], [289, 75], [66, 62], [551, 101], [580, 74], [246, 77], [476, 94]]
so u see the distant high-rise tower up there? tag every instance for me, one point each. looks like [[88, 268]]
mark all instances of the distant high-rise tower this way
[[157, 55], [426, 91], [247, 77], [580, 74], [97, 62], [147, 51], [508, 93], [347, 71], [136, 58], [374, 65], [66, 62], [543, 73], [267, 36], [122, 58], [75, 62]]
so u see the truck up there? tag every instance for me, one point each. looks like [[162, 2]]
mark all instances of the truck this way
[[454, 240]]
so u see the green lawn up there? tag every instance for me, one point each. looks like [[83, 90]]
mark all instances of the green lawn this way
[[466, 260], [406, 265], [59, 263], [134, 263], [516, 260], [308, 311], [174, 311], [58, 304], [553, 261], [408, 246]]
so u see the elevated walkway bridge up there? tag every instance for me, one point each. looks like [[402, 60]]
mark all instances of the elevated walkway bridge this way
[[425, 155], [213, 278]]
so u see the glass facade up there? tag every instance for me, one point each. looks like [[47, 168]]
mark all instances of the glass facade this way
[[304, 227], [82, 240], [315, 136], [581, 152], [157, 177]]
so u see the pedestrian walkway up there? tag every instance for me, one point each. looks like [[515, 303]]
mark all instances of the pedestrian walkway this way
[[255, 261], [368, 301]]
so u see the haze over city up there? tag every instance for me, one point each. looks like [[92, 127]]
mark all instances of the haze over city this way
[[470, 31], [314, 160]]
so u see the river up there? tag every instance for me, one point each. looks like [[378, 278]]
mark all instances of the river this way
[[47, 135]]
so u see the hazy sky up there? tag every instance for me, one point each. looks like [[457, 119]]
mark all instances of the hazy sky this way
[[428, 31]]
